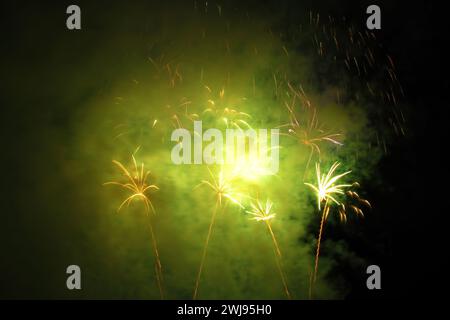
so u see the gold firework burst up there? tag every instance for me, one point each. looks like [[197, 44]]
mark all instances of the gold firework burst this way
[[261, 212], [226, 111], [309, 131], [327, 190], [137, 187], [223, 189]]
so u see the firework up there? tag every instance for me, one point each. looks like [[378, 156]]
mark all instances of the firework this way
[[264, 213], [327, 191], [223, 190], [137, 187], [309, 133], [227, 112], [176, 113], [256, 162]]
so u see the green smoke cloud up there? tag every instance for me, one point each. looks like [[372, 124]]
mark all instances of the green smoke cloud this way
[[143, 69]]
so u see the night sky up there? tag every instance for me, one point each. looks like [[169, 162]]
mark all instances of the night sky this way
[[73, 101]]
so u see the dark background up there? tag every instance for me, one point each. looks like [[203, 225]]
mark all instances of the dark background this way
[[414, 258]]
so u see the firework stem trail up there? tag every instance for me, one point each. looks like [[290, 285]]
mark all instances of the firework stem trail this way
[[278, 261], [275, 242], [205, 248], [137, 184], [319, 239], [158, 267]]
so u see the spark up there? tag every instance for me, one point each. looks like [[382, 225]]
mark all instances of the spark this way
[[226, 111], [176, 115], [180, 111]]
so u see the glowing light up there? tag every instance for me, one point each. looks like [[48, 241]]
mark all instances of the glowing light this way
[[325, 188], [222, 187], [257, 162]]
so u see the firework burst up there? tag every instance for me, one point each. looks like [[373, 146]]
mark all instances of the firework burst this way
[[226, 111], [137, 187], [261, 212], [309, 132], [223, 189], [327, 191]]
